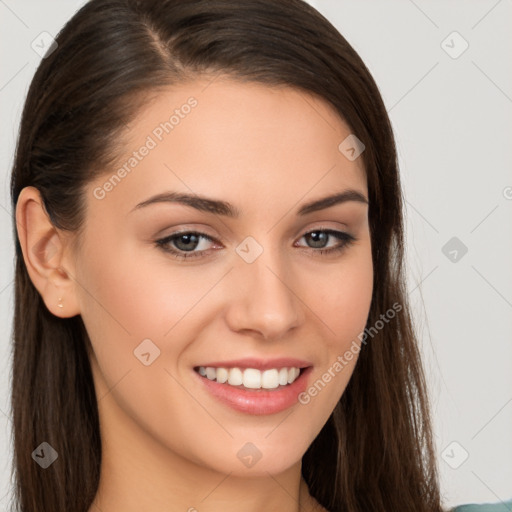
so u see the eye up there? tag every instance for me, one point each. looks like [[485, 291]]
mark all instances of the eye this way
[[184, 242], [319, 239], [193, 244]]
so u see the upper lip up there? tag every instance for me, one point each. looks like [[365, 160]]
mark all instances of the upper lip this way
[[259, 364]]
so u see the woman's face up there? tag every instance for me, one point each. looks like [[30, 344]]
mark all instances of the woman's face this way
[[255, 285]]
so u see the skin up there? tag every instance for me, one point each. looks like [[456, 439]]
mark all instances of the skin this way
[[167, 443]]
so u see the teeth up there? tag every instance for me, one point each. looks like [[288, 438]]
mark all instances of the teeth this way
[[235, 376], [293, 374], [283, 376], [250, 377], [222, 375], [270, 379]]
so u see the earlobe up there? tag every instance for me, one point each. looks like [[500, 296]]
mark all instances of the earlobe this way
[[44, 252]]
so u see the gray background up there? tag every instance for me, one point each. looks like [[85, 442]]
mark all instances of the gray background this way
[[452, 116]]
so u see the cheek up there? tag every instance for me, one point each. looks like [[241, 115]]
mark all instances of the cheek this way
[[343, 297], [139, 297], [134, 305], [138, 312], [342, 300]]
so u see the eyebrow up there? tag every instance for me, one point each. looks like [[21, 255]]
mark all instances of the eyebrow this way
[[224, 208]]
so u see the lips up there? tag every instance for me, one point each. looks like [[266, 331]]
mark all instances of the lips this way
[[258, 364], [277, 396]]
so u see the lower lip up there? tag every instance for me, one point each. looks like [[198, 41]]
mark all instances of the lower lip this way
[[258, 401]]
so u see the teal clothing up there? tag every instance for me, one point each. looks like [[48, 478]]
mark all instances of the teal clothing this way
[[505, 506]]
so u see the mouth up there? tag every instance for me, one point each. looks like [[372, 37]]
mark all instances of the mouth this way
[[255, 391], [251, 379]]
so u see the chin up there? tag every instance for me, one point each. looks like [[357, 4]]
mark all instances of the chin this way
[[255, 458]]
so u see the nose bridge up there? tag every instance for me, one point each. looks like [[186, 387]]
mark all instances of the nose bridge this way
[[265, 301]]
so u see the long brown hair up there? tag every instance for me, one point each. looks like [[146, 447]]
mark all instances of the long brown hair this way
[[375, 453]]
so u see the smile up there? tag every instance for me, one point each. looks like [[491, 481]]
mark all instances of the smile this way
[[253, 391], [251, 378]]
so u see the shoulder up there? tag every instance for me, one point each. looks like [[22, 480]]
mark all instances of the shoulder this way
[[504, 506]]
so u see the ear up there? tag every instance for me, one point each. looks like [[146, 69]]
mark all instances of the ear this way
[[46, 254]]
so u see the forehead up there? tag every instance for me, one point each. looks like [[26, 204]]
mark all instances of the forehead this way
[[242, 139]]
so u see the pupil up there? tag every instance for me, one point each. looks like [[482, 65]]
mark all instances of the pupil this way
[[190, 241], [319, 238]]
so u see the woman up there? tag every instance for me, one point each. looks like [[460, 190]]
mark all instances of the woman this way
[[210, 304]]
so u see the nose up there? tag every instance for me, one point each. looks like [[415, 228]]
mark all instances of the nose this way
[[265, 301]]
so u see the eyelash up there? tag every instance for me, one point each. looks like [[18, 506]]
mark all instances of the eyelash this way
[[346, 239]]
